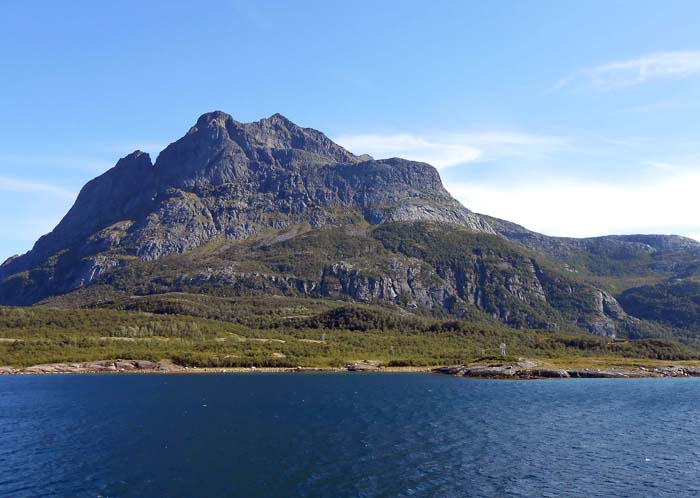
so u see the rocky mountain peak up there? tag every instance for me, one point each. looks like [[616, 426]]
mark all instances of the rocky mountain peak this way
[[135, 162], [214, 117], [120, 193], [275, 132], [234, 179], [306, 207], [278, 118], [220, 150]]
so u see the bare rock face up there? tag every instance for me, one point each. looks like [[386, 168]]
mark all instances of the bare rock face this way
[[180, 223], [118, 195], [101, 366], [94, 267], [271, 180], [532, 370], [606, 312], [223, 178], [524, 369]]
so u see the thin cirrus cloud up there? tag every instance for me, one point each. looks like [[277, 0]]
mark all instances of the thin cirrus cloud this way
[[665, 201], [443, 150], [19, 185], [627, 73]]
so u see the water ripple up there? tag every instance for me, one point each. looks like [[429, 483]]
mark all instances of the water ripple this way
[[347, 436]]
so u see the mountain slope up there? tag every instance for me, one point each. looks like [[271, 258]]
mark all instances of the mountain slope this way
[[655, 277], [421, 267], [608, 256], [273, 209], [223, 178]]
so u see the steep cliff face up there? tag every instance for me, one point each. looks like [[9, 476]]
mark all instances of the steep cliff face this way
[[226, 177], [422, 267], [219, 150], [120, 194], [223, 178], [655, 277]]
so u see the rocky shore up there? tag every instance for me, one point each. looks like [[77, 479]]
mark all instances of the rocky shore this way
[[166, 366], [533, 370], [102, 366], [521, 370]]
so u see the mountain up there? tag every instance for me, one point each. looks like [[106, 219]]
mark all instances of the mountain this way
[[224, 178], [641, 256], [269, 208], [654, 277]]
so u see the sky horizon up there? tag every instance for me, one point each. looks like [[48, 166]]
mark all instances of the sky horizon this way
[[571, 119]]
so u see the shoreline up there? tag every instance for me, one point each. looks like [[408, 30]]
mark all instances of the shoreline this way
[[529, 370], [520, 370], [168, 367]]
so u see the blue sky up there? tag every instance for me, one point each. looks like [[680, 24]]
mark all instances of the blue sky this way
[[571, 118]]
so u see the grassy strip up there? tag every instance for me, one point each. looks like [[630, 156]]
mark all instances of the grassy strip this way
[[30, 336]]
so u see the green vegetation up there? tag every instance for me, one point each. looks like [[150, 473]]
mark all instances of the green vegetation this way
[[291, 297], [286, 332], [675, 303], [425, 268]]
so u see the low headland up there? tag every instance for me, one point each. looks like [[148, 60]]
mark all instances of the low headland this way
[[522, 369], [252, 335]]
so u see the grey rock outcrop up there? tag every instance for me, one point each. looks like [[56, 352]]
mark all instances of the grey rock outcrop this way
[[231, 179], [532, 370], [101, 366]]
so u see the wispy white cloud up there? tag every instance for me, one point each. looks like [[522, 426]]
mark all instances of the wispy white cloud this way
[[443, 150], [631, 72], [661, 165], [72, 162], [20, 185], [93, 158], [662, 202], [439, 154], [658, 107]]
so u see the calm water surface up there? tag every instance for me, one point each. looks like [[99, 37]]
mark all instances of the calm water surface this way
[[338, 435]]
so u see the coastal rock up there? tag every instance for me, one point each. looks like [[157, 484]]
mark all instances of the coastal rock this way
[[168, 366], [105, 366], [677, 371], [124, 365], [452, 370], [531, 370], [49, 368], [547, 373], [99, 366], [597, 373], [520, 369], [362, 367], [497, 371], [144, 365]]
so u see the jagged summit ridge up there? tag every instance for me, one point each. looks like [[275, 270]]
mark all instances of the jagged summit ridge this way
[[232, 179], [219, 149]]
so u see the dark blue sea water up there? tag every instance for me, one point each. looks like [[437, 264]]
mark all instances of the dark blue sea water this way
[[342, 435]]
